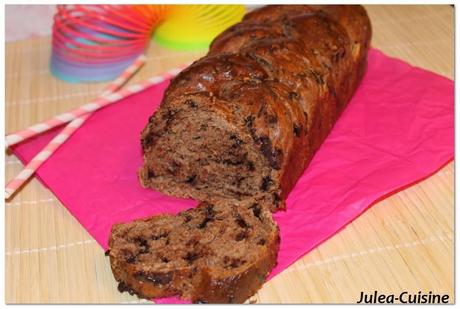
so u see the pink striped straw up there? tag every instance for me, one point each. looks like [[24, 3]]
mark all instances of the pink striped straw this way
[[60, 139], [103, 100], [42, 156], [125, 75]]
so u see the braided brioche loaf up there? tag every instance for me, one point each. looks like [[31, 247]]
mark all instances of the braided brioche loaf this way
[[244, 121], [237, 129]]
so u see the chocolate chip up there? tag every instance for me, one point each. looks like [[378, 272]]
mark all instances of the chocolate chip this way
[[266, 146], [156, 278], [293, 96], [249, 121], [240, 221], [150, 173], [233, 161], [169, 116], [256, 210], [187, 218], [164, 260], [237, 141], [146, 142], [209, 216], [130, 259], [266, 183], [263, 61], [122, 287], [162, 235], [272, 119], [318, 77], [274, 156], [203, 224], [233, 262], [259, 59], [209, 210], [251, 166], [143, 245], [241, 235], [297, 130], [141, 241], [191, 256], [261, 242], [191, 103], [191, 179]]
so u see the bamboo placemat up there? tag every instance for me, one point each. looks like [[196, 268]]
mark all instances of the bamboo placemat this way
[[403, 243]]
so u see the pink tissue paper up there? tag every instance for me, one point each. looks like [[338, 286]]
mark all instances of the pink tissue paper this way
[[397, 130]]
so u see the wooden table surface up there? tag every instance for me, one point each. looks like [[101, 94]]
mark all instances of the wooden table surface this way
[[403, 243]]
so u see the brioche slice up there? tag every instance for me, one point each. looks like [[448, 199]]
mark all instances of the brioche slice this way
[[214, 253]]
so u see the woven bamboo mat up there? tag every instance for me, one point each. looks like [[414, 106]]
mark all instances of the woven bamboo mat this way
[[403, 243]]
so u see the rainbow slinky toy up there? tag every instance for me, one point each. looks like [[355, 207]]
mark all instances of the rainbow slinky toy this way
[[96, 42]]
